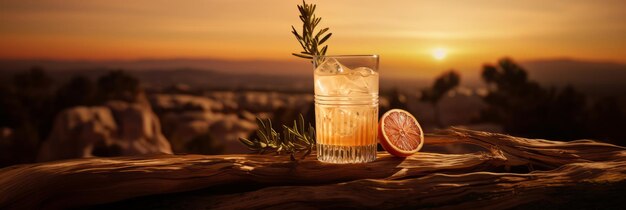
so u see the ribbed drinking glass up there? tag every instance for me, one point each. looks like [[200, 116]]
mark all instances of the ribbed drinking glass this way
[[346, 108]]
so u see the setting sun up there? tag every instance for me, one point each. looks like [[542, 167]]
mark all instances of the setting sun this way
[[439, 53]]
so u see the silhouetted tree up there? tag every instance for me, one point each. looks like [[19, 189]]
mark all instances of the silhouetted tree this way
[[29, 104], [79, 91], [8, 115], [444, 83], [34, 81], [34, 92], [397, 100], [118, 85], [26, 109], [524, 108]]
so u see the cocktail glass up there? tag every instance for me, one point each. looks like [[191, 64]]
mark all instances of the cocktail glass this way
[[346, 108]]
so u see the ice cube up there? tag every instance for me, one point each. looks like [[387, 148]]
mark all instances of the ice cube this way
[[331, 66], [363, 71], [333, 78], [357, 81]]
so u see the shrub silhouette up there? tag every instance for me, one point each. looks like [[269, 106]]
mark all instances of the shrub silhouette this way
[[79, 91], [205, 144], [607, 121], [118, 85], [397, 100], [444, 83]]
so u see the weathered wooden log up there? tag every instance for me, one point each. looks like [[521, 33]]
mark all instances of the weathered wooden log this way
[[594, 183], [425, 179], [522, 151]]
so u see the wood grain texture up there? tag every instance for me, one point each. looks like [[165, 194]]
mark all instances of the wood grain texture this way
[[504, 175]]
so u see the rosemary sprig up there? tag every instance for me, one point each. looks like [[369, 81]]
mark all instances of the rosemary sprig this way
[[309, 40], [296, 139]]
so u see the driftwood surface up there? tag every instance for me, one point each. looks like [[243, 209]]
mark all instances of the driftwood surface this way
[[509, 172]]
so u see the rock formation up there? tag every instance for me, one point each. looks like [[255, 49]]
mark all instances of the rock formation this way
[[118, 128], [188, 118]]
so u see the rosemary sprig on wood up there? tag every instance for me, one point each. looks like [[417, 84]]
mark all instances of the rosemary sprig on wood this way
[[309, 40], [296, 139]]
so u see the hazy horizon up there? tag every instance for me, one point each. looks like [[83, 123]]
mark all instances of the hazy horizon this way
[[588, 76]]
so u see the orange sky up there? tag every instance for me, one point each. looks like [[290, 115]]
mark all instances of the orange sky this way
[[404, 33]]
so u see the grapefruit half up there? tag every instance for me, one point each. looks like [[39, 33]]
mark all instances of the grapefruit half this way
[[400, 133]]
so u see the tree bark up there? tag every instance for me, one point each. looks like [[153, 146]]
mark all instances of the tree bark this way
[[510, 172]]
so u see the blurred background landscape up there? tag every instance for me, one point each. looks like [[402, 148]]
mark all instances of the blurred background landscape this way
[[111, 78]]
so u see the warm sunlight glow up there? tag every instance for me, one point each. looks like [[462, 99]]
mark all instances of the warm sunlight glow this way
[[408, 34], [439, 53]]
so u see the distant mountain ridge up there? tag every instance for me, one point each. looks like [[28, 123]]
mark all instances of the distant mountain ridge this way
[[197, 78], [269, 74], [272, 67], [576, 72], [160, 73]]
